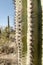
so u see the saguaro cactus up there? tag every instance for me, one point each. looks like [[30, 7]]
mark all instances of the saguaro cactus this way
[[26, 18], [8, 28], [32, 32], [8, 22], [18, 20]]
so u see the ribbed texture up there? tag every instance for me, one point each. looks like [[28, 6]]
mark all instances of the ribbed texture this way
[[18, 20], [29, 33]]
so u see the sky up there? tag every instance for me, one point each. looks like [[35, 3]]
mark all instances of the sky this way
[[6, 9]]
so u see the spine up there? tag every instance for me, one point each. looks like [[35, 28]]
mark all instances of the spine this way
[[18, 20], [29, 33]]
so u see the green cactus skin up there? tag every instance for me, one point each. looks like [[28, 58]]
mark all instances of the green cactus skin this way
[[36, 8]]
